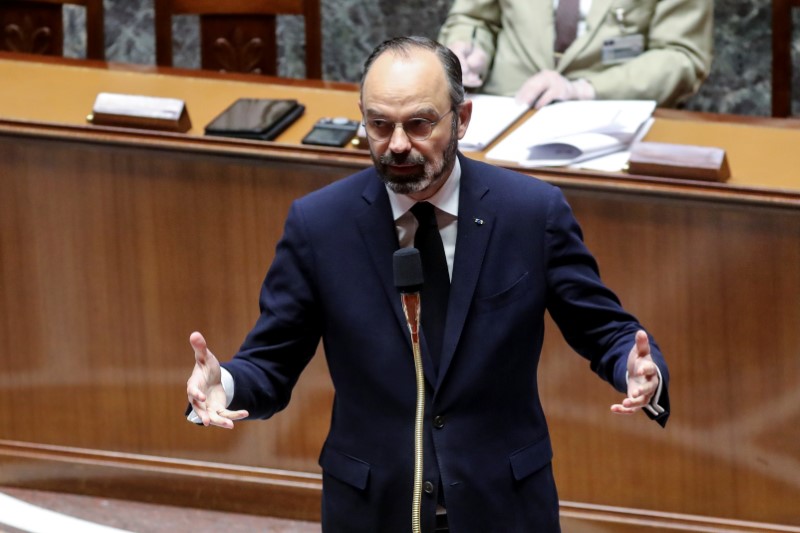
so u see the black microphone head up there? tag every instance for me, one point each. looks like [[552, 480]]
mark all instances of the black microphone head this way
[[407, 270]]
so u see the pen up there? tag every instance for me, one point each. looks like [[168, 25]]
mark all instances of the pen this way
[[472, 40], [471, 79]]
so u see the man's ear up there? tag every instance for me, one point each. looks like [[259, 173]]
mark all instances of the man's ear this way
[[464, 116]]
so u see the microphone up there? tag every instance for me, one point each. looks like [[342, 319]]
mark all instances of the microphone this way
[[408, 279], [407, 270]]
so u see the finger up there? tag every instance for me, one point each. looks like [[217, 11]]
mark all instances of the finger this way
[[529, 93], [234, 415], [471, 79], [622, 410], [199, 346], [547, 97], [641, 395], [641, 385], [194, 393], [636, 401], [646, 370], [224, 418], [477, 60], [460, 49], [220, 421], [642, 343], [200, 410]]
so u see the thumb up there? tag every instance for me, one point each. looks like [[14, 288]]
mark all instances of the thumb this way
[[642, 343], [477, 60], [459, 48], [200, 347]]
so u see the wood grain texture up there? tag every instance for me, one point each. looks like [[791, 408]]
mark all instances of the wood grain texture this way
[[36, 26], [116, 245]]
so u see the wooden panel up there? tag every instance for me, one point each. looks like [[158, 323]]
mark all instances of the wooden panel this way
[[239, 44], [718, 286], [274, 493], [31, 28], [239, 35], [782, 66], [36, 27], [115, 245], [111, 257]]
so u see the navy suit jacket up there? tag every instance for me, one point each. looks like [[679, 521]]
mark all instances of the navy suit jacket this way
[[519, 253]]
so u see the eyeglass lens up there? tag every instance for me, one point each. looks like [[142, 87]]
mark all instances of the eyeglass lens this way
[[418, 129]]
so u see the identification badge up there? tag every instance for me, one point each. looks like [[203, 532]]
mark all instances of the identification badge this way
[[622, 48]]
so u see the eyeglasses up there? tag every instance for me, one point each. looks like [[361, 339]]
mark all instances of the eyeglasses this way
[[417, 129]]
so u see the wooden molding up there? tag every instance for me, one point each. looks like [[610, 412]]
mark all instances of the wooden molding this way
[[162, 480], [265, 491]]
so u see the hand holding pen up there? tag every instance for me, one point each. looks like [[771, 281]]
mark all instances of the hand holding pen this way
[[474, 61]]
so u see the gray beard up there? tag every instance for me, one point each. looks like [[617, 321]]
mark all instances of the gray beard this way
[[413, 183]]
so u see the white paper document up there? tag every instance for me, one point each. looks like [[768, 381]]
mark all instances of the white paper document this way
[[567, 133], [491, 116]]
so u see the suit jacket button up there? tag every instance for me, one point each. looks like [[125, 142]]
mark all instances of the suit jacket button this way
[[438, 422], [427, 487]]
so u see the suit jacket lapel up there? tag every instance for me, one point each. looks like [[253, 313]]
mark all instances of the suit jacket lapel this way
[[377, 228], [475, 223]]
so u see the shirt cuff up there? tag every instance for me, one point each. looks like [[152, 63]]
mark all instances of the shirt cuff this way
[[227, 385]]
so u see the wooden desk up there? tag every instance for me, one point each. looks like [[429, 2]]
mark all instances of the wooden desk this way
[[762, 152], [115, 245]]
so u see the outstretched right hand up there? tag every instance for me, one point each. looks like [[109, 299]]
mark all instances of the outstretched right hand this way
[[204, 387]]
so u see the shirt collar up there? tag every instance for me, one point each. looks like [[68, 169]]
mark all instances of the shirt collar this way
[[446, 198]]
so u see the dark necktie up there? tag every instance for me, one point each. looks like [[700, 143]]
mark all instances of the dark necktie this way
[[567, 15], [436, 287]]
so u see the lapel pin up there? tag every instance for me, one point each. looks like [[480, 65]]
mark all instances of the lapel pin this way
[[479, 221]]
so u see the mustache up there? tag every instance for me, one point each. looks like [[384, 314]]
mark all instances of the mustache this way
[[401, 159]]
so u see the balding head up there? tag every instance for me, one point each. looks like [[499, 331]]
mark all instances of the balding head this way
[[406, 46]]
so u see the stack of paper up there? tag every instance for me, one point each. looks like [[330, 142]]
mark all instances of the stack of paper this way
[[567, 133], [491, 116]]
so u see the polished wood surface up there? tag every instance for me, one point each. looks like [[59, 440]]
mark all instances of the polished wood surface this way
[[33, 97], [116, 244], [761, 152], [145, 517]]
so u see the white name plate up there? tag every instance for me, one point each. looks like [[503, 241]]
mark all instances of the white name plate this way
[[134, 111]]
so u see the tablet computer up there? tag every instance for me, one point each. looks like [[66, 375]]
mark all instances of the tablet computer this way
[[255, 118]]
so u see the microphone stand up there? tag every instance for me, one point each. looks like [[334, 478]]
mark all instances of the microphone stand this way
[[411, 309], [408, 279]]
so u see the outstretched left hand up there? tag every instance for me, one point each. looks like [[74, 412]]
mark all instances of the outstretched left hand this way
[[642, 377]]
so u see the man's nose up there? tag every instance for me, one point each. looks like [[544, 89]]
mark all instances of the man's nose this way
[[399, 141]]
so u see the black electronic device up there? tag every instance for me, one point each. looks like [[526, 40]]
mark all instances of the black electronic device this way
[[255, 118], [332, 132]]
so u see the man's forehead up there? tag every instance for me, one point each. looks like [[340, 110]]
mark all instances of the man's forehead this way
[[406, 77]]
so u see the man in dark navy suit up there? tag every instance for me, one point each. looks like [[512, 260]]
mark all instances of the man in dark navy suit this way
[[512, 251]]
